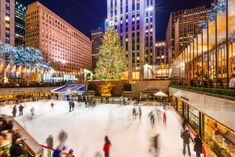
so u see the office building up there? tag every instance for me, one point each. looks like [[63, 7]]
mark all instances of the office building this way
[[96, 39], [162, 60], [7, 21], [20, 11], [182, 26], [64, 46], [134, 20]]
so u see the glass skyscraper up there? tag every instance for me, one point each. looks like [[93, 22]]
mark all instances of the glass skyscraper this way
[[134, 20], [20, 11]]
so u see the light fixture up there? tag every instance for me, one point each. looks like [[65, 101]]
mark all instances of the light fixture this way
[[149, 9]]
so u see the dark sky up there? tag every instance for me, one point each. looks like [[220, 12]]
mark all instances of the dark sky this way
[[86, 15]]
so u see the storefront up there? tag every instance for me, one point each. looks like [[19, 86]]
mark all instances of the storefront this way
[[217, 136]]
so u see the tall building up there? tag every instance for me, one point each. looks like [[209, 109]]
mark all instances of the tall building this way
[[20, 11], [7, 21], [96, 39], [134, 20], [182, 26], [162, 60], [66, 47]]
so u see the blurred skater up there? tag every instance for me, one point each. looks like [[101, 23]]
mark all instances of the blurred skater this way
[[140, 112], [155, 145], [57, 152], [63, 136], [152, 118], [52, 105], [49, 142], [134, 113], [107, 146], [70, 106], [164, 118], [21, 110], [32, 112], [14, 111], [73, 105]]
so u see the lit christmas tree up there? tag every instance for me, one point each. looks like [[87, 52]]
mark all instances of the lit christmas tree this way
[[112, 60]]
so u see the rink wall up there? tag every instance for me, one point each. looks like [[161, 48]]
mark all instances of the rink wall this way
[[137, 86]]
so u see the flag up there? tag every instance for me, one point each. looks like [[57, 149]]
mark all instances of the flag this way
[[1, 67], [19, 70], [7, 68], [13, 70]]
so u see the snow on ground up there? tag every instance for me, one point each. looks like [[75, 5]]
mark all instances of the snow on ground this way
[[86, 128]]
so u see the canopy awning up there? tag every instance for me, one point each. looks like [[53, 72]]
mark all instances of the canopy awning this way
[[161, 94], [70, 88]]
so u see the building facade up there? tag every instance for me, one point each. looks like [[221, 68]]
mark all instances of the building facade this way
[[7, 21], [209, 58], [134, 20], [96, 39], [162, 60], [20, 11], [183, 25], [64, 46]]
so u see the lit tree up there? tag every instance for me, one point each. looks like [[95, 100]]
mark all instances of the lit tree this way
[[111, 60], [23, 58]]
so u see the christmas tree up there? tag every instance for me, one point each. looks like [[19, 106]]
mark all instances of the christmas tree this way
[[111, 59]]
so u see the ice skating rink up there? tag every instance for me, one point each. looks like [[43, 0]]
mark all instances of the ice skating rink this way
[[86, 128]]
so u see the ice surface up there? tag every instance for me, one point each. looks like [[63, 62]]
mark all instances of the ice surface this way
[[86, 128]]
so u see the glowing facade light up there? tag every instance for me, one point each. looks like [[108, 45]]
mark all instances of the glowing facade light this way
[[149, 9]]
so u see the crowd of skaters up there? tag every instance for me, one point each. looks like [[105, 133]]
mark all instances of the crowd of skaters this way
[[61, 148], [136, 112]]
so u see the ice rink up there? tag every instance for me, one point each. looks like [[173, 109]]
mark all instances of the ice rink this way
[[86, 128]]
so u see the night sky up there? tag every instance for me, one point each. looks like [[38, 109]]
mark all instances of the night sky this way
[[86, 15]]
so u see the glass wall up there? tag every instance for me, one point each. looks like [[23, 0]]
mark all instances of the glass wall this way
[[194, 118], [218, 137], [180, 107]]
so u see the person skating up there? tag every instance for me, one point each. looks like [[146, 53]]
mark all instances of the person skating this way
[[50, 143], [107, 146], [21, 110], [152, 120], [198, 146], [52, 105], [164, 118], [155, 145], [14, 111], [73, 106], [32, 112], [134, 112], [70, 106], [70, 154], [140, 112], [63, 136], [57, 152], [186, 141]]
